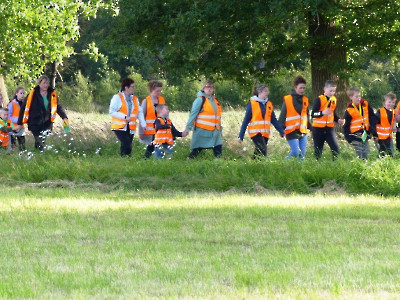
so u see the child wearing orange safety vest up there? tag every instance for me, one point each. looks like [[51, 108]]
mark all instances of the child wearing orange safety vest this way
[[149, 105], [397, 120], [258, 119], [14, 108], [385, 126], [324, 118], [165, 133], [5, 128], [359, 123]]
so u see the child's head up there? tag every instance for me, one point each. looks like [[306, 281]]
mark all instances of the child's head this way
[[4, 113], [299, 84], [19, 93], [330, 88], [354, 94], [162, 110], [390, 100], [261, 91]]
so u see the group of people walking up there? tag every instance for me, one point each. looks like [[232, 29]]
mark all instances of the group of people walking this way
[[360, 123], [150, 119]]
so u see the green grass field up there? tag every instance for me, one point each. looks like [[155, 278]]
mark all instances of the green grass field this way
[[78, 221], [73, 243]]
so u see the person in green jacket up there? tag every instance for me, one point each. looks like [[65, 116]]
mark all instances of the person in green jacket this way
[[205, 120]]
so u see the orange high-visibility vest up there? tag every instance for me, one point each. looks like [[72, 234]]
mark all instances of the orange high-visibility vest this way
[[359, 120], [151, 115], [119, 124], [4, 136], [208, 118], [326, 121], [164, 136], [259, 123], [15, 110], [53, 106], [294, 120], [384, 129]]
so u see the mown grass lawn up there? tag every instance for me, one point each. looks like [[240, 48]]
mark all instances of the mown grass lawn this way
[[83, 243]]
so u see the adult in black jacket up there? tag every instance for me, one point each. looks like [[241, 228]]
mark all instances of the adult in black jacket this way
[[42, 103]]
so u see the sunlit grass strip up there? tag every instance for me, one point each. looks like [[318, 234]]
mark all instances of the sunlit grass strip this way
[[63, 243]]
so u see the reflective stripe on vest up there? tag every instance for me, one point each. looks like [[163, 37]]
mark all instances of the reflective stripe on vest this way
[[164, 136], [384, 129], [119, 124], [151, 115], [359, 120], [53, 106], [259, 123], [328, 120], [15, 111], [208, 118], [293, 120]]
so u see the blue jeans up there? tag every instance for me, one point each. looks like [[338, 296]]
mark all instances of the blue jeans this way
[[163, 151], [297, 148]]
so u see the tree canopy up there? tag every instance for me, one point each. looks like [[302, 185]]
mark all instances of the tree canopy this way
[[251, 40]]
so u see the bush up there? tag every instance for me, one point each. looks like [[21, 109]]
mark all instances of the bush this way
[[105, 88], [78, 95]]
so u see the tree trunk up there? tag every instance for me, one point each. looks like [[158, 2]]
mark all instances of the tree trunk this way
[[54, 66], [3, 91], [328, 59]]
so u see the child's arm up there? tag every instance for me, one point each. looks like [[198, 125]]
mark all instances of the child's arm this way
[[175, 132], [277, 125], [315, 113], [346, 127], [246, 120]]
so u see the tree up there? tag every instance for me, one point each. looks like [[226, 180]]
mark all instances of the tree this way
[[250, 40], [33, 33]]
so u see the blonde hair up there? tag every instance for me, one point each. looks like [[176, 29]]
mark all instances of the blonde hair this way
[[41, 78], [351, 91], [152, 85], [160, 107]]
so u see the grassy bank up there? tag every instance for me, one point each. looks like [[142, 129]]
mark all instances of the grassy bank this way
[[90, 157], [142, 244]]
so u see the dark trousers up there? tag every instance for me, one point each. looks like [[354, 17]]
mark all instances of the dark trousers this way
[[126, 138], [40, 137], [398, 140], [149, 151], [386, 147], [320, 135], [216, 149], [21, 142], [260, 144]]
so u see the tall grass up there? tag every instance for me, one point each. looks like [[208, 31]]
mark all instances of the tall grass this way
[[90, 155]]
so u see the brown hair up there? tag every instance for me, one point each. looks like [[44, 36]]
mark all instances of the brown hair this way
[[330, 83], [391, 96], [17, 91], [298, 80], [207, 82], [152, 85], [259, 88], [351, 91], [126, 82]]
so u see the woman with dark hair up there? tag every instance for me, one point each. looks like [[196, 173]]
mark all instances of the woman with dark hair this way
[[205, 119], [124, 112], [294, 118], [39, 111]]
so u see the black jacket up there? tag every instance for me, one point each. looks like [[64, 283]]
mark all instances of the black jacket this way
[[39, 117]]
